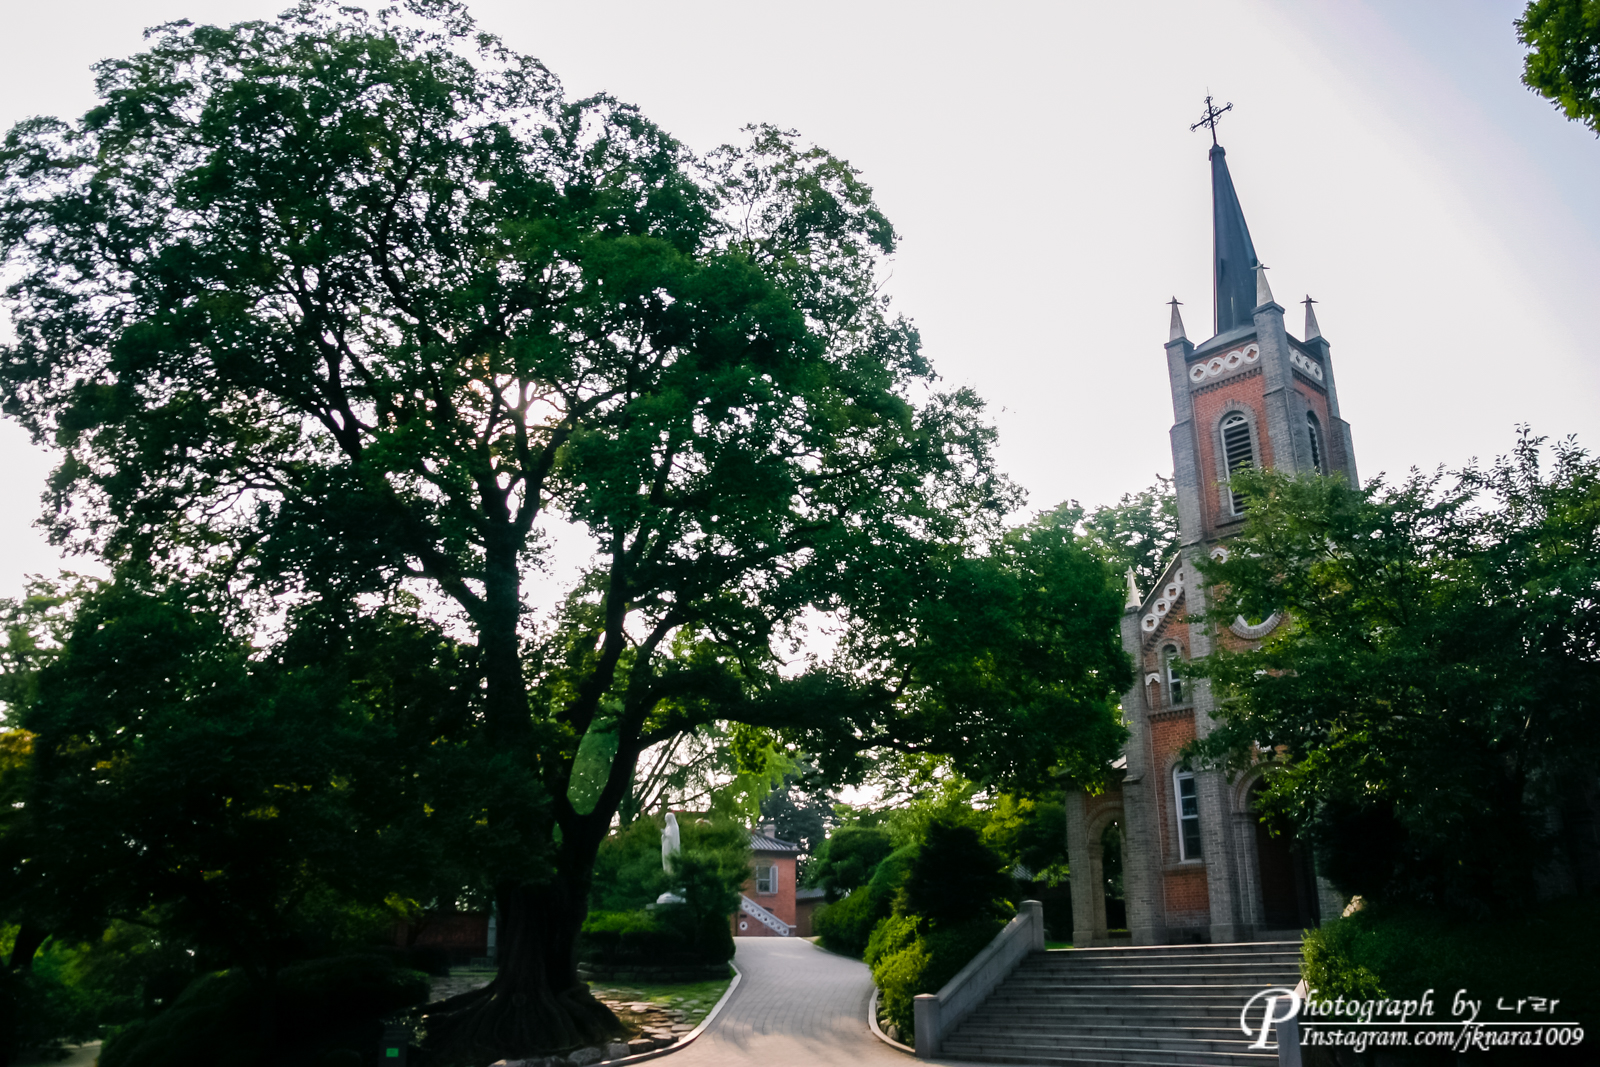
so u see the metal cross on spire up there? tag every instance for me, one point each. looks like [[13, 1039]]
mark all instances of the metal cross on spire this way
[[1212, 114]]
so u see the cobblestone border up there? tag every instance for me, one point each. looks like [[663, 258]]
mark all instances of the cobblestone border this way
[[687, 1039], [877, 1031]]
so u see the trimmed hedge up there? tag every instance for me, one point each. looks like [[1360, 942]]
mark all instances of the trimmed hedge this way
[[666, 936]]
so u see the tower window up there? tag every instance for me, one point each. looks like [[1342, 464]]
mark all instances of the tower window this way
[[1188, 815], [1172, 667], [1238, 452], [1314, 431]]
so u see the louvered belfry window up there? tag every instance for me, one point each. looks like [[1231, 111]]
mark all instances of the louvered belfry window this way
[[1315, 433], [1238, 451]]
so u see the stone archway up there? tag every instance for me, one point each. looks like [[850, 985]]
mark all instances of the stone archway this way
[[1113, 850]]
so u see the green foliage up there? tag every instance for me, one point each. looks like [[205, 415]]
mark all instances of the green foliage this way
[[173, 771], [952, 901], [956, 877], [317, 1007], [1020, 641], [708, 873], [1433, 693], [1030, 832], [847, 859], [802, 808], [634, 937], [1138, 531], [846, 926], [1399, 951], [910, 960], [1563, 61], [320, 307]]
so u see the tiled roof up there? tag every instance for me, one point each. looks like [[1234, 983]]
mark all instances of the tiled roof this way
[[762, 842], [810, 893]]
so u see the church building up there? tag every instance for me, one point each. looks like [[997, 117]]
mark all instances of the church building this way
[[1196, 865]]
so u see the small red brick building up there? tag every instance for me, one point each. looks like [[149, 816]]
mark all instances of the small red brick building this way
[[767, 907]]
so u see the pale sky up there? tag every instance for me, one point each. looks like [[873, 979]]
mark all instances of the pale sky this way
[[1037, 161]]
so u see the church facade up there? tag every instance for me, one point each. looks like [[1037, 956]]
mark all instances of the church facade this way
[[1196, 865]]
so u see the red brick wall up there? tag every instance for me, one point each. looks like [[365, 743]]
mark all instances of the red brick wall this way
[[465, 935], [1209, 404], [780, 903]]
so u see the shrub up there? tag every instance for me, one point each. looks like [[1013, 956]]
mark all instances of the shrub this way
[[849, 858], [907, 961], [664, 935], [321, 1008], [613, 937], [1402, 951], [845, 926], [956, 877]]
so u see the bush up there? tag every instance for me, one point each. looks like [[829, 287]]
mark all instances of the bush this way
[[956, 877], [906, 961], [846, 926], [848, 859], [322, 1009], [1402, 951], [612, 937]]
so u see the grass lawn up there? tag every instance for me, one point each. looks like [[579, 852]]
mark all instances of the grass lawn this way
[[1051, 945], [694, 999]]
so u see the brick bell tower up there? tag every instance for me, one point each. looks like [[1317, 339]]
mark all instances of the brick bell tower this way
[[1196, 864]]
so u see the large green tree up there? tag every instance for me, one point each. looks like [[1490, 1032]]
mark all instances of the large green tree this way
[[1563, 60], [341, 303], [1432, 698]]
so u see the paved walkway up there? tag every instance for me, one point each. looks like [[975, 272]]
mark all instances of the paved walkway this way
[[796, 1006]]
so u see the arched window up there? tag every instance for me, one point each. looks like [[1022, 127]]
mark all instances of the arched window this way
[[1237, 451], [1314, 431], [1188, 814], [1172, 673]]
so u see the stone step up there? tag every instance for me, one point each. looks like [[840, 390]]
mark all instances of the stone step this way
[[1110, 1014], [1203, 1029], [1176, 1040], [1237, 948], [1121, 978], [1174, 966], [1126, 1006], [956, 1049], [1210, 994]]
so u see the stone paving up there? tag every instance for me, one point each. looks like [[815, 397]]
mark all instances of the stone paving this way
[[796, 1005]]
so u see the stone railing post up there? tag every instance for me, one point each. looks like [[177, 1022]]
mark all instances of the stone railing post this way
[[1034, 910], [925, 1017]]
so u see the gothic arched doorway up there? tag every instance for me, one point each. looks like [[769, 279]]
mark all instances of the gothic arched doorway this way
[[1288, 883]]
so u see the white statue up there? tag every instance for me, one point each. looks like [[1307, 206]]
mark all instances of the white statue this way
[[671, 845], [671, 842]]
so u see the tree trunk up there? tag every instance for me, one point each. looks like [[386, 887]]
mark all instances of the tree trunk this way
[[537, 1004], [29, 938]]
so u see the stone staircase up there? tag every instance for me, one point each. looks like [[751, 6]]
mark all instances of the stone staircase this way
[[1133, 1007]]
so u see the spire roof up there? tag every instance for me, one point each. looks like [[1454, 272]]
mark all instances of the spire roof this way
[[1175, 332], [1234, 255], [1312, 329]]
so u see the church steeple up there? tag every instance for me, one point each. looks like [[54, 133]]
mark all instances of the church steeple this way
[[1233, 253]]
